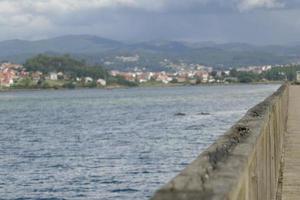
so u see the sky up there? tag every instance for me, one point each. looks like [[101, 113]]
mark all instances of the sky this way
[[248, 21]]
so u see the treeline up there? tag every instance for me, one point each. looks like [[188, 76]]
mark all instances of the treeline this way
[[66, 64], [288, 73], [72, 68], [246, 77], [283, 73]]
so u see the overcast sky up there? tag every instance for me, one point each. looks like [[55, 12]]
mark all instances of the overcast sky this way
[[251, 21]]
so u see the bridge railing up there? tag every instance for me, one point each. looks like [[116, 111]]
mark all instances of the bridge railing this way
[[243, 164]]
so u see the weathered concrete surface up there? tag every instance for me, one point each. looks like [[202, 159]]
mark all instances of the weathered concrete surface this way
[[243, 164], [291, 169]]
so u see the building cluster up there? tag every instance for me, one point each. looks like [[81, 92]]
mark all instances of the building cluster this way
[[255, 69], [182, 65], [11, 73], [54, 76], [196, 74], [166, 77]]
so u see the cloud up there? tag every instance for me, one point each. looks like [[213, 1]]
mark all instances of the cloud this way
[[63, 12], [244, 5], [57, 6], [63, 6], [149, 19]]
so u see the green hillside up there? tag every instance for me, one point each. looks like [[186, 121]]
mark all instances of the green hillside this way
[[72, 68]]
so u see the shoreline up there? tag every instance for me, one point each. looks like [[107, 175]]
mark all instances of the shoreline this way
[[140, 86]]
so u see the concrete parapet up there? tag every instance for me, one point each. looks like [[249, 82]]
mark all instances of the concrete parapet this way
[[243, 164]]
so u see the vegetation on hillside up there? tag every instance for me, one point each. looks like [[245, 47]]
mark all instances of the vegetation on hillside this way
[[283, 73], [72, 68], [65, 64], [275, 74], [246, 77], [151, 54]]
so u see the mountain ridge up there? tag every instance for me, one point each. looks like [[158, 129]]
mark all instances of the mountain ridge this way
[[102, 50]]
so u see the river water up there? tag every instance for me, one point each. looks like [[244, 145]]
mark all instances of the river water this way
[[110, 144]]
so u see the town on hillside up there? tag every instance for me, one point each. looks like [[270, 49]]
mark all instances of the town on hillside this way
[[201, 74], [12, 74]]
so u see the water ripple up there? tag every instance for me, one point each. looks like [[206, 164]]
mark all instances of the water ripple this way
[[110, 144]]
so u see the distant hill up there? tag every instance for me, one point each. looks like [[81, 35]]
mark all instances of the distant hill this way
[[152, 55], [65, 44]]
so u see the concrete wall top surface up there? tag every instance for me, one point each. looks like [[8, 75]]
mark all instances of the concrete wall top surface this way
[[233, 167]]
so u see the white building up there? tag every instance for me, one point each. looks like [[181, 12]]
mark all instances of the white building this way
[[298, 76], [227, 72], [101, 82], [205, 77], [53, 76], [89, 79]]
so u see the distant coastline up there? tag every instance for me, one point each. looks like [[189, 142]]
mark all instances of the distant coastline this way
[[64, 72], [161, 85]]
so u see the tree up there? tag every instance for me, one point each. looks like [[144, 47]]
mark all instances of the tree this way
[[25, 83], [233, 73], [214, 73]]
